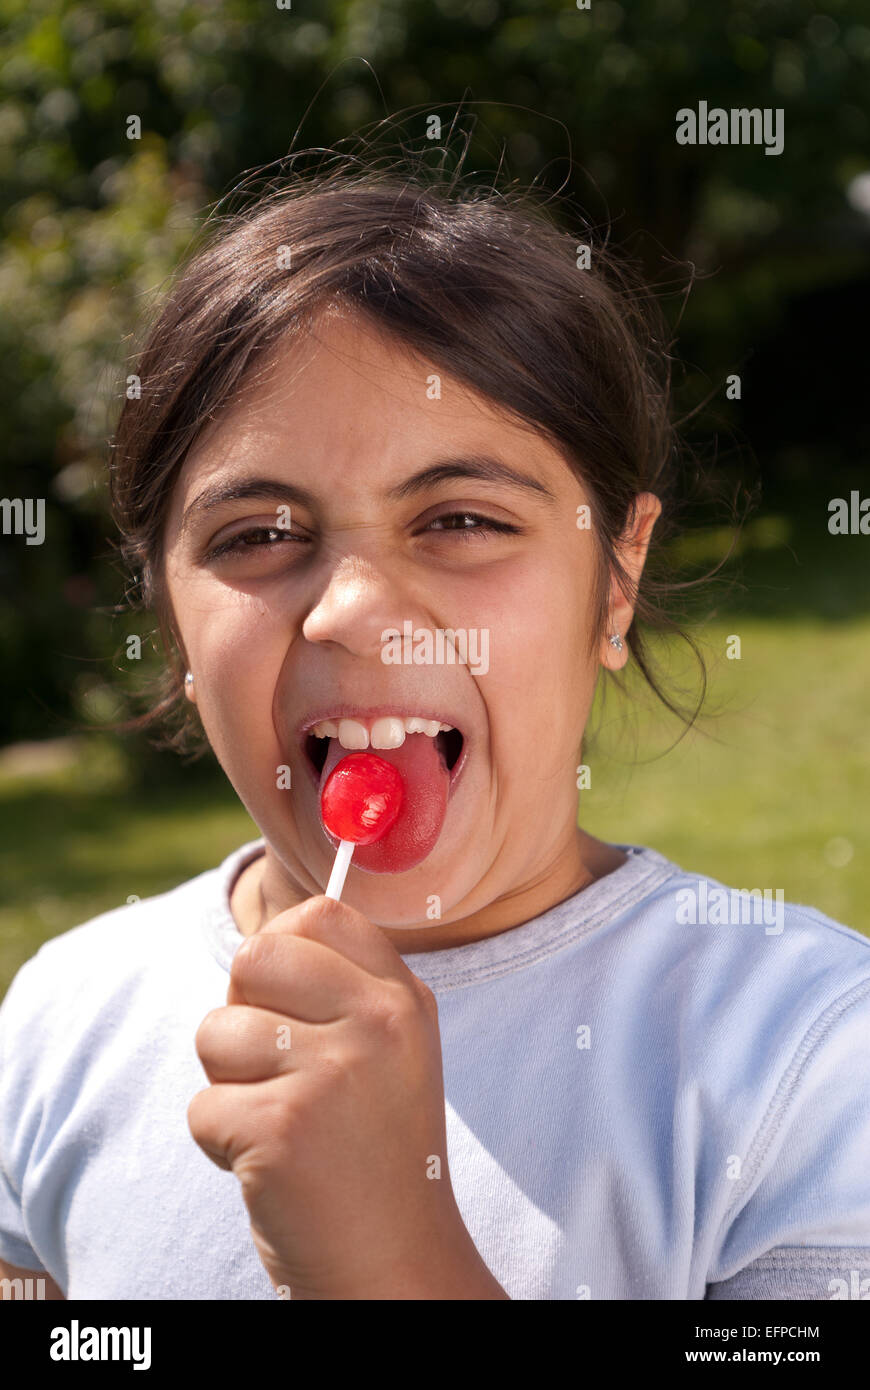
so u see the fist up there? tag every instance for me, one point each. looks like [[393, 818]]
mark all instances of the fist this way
[[327, 1103]]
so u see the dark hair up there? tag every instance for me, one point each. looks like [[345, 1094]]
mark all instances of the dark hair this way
[[481, 281]]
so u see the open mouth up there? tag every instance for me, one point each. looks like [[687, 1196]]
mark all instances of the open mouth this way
[[428, 753], [449, 743]]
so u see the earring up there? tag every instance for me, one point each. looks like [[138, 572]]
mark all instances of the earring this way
[[617, 642], [188, 683]]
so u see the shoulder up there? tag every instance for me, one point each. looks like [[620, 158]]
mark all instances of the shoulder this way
[[748, 985], [103, 1010], [109, 955], [750, 940], [758, 1009], [111, 946]]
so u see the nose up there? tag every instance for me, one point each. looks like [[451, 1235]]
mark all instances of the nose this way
[[359, 601]]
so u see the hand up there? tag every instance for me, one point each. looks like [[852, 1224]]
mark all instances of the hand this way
[[327, 1102]]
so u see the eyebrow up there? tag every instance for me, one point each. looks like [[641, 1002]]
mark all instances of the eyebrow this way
[[217, 494], [477, 466]]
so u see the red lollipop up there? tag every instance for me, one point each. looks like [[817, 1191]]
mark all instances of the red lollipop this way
[[361, 798]]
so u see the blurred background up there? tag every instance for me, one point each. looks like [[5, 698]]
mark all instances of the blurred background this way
[[771, 789]]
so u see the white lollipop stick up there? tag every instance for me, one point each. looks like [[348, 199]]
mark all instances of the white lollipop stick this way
[[339, 870]]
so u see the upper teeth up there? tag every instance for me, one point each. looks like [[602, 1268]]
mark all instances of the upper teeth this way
[[388, 732]]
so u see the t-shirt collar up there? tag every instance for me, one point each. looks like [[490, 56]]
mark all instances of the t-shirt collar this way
[[595, 905]]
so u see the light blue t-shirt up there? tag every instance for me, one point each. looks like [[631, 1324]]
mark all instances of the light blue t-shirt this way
[[639, 1105]]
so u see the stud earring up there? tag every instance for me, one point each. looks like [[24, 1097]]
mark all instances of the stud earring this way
[[617, 642], [188, 683]]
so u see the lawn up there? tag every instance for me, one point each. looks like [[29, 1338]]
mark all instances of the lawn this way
[[76, 842], [777, 797], [774, 795]]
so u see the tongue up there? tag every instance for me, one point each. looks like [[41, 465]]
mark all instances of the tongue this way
[[418, 825]]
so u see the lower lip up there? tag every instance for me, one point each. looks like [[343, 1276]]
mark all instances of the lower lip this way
[[377, 858]]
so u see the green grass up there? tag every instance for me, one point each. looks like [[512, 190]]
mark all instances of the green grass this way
[[77, 842], [777, 798]]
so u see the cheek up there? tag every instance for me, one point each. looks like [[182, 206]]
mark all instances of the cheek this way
[[235, 645], [539, 617], [541, 677]]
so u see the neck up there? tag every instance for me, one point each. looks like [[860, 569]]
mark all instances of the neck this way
[[263, 890]]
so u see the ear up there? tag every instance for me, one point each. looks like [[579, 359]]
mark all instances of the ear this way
[[632, 549]]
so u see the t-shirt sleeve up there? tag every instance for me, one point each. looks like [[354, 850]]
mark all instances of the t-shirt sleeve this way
[[18, 1038], [798, 1226]]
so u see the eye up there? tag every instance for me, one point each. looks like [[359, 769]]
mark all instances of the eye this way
[[471, 523], [255, 537]]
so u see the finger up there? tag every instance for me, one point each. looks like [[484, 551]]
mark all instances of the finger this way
[[332, 926], [345, 930], [296, 976], [222, 1118], [202, 1121], [238, 1043]]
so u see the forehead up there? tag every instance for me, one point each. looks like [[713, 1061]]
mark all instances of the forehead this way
[[347, 400]]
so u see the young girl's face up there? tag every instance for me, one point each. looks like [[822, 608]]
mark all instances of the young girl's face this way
[[382, 458]]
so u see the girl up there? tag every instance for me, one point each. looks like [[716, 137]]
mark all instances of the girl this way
[[514, 1061]]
